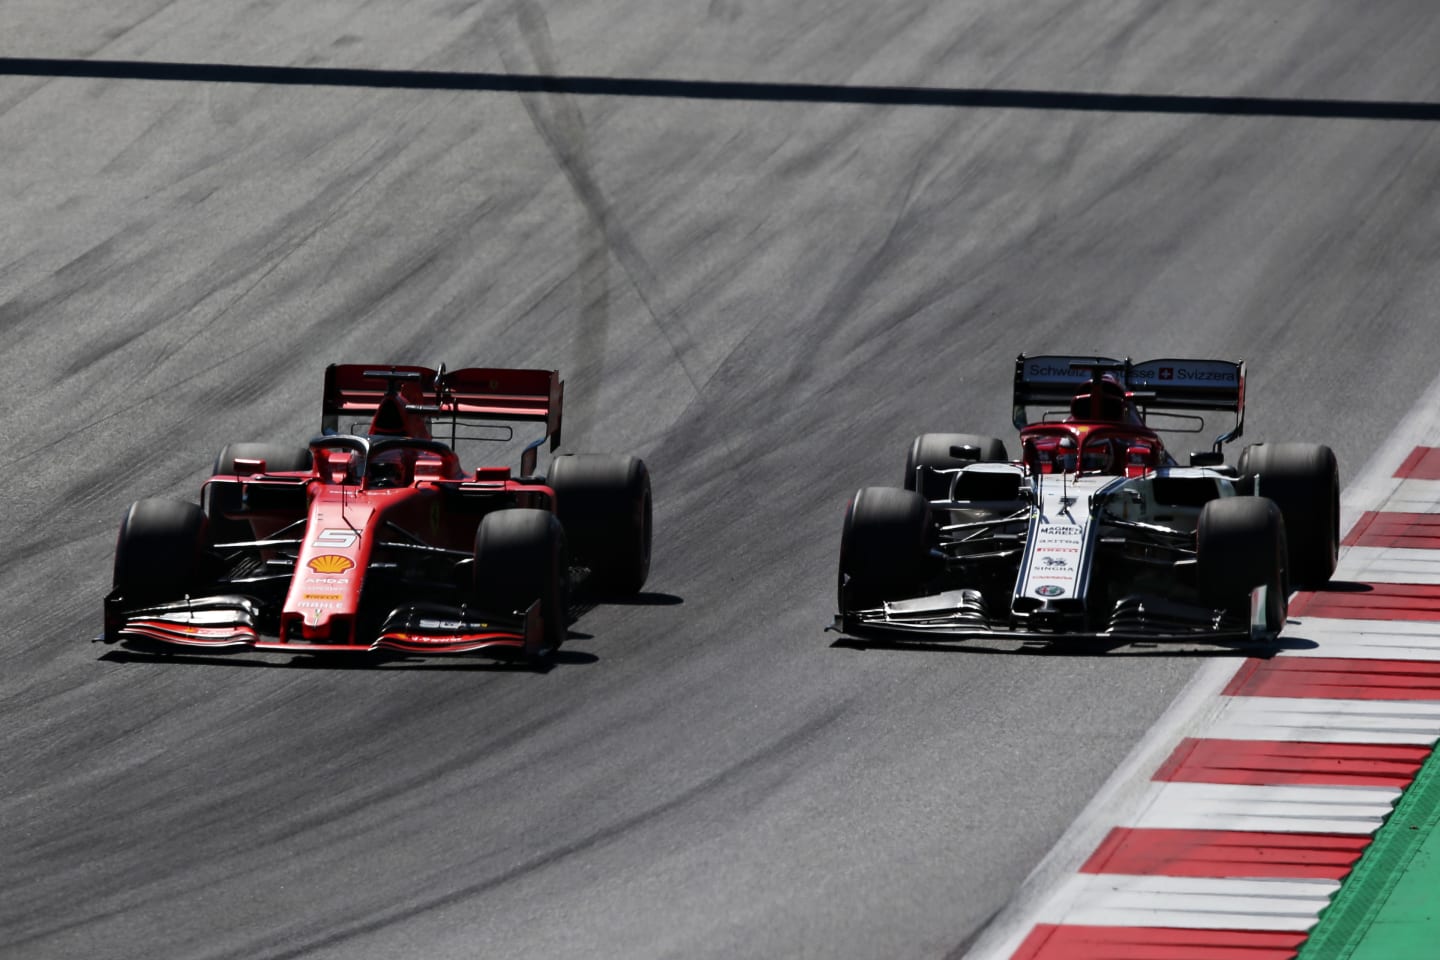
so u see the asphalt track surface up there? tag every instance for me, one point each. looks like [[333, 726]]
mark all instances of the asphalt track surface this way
[[766, 244]]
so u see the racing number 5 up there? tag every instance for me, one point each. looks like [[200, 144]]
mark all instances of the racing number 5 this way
[[337, 538]]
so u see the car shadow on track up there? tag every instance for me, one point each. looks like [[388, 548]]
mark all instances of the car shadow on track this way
[[396, 661], [1073, 647], [1344, 586], [643, 599], [589, 600], [1293, 638], [561, 658]]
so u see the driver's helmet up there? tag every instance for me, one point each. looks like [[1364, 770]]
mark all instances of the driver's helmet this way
[[386, 469], [1100, 456], [1102, 399]]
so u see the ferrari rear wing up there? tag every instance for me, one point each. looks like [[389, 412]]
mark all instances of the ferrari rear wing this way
[[1163, 385], [472, 393]]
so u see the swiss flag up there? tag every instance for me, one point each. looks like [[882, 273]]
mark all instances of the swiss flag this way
[[1167, 373]]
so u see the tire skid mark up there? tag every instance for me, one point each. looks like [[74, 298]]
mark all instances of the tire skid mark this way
[[565, 135], [827, 321], [257, 259], [133, 156], [87, 841], [165, 5], [284, 946], [562, 128], [114, 412]]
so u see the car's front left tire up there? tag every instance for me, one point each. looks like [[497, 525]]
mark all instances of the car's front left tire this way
[[884, 547], [1240, 545]]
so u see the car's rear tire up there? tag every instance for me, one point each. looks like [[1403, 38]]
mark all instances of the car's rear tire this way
[[159, 554], [884, 548], [520, 557], [1304, 481], [946, 451], [219, 500], [604, 503], [1240, 545]]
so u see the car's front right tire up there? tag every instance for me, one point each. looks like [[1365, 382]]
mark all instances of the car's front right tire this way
[[220, 499], [884, 547], [159, 554], [947, 451]]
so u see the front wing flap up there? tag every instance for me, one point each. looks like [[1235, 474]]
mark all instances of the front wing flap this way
[[435, 629], [234, 622], [943, 621]]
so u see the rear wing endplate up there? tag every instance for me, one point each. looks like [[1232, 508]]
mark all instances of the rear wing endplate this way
[[472, 393], [1163, 385]]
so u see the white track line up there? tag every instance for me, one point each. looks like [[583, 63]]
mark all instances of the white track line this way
[[1414, 496], [1188, 902], [1365, 639], [1355, 811], [1391, 565], [1328, 721]]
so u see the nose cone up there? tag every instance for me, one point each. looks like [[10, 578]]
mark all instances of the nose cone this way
[[330, 571], [321, 627]]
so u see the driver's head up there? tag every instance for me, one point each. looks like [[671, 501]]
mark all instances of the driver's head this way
[[386, 469], [385, 475], [1100, 457]]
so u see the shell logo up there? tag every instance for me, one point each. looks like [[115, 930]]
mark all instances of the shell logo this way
[[331, 563]]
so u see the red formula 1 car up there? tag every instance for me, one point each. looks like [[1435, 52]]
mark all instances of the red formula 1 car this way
[[378, 539]]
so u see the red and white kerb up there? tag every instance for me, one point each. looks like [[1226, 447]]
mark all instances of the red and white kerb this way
[[1246, 832]]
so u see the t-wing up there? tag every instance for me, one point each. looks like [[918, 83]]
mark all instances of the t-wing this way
[[1173, 385]]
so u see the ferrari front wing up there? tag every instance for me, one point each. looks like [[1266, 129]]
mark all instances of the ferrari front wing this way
[[234, 622]]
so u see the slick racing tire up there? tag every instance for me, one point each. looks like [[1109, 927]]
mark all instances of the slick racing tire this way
[[605, 505], [520, 557], [159, 554], [1304, 481], [946, 451], [1240, 545], [885, 547], [221, 500]]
